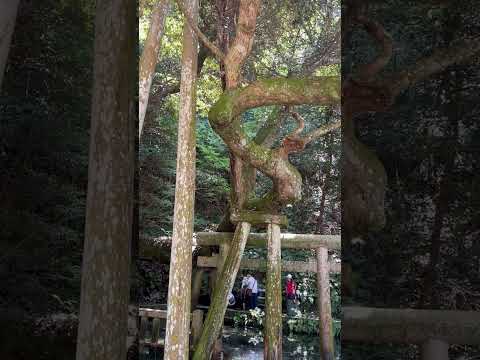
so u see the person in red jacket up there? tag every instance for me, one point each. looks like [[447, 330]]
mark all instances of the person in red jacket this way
[[291, 293]]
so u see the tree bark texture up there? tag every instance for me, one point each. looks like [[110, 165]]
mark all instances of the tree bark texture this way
[[149, 57], [180, 277], [8, 16], [102, 331], [273, 293], [324, 305], [216, 312]]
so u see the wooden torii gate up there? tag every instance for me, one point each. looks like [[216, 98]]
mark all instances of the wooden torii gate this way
[[321, 266], [274, 241]]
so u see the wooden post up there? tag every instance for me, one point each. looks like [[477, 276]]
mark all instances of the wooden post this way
[[224, 248], [324, 305], [143, 328], [196, 286], [216, 312], [273, 300], [142, 333], [212, 279], [222, 256], [197, 325], [155, 330], [435, 350]]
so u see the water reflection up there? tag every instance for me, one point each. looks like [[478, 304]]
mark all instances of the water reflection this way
[[248, 345], [240, 344]]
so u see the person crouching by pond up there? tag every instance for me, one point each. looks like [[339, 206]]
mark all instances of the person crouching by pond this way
[[252, 291], [291, 294]]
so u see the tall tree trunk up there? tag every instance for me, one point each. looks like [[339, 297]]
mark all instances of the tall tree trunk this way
[[273, 296], [149, 57], [8, 15], [326, 184], [180, 278], [102, 331]]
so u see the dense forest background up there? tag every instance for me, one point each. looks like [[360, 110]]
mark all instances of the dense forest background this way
[[45, 116], [428, 254]]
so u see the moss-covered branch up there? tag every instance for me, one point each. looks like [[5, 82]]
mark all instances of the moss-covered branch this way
[[292, 91], [224, 118]]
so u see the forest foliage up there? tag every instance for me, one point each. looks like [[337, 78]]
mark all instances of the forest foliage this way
[[44, 122]]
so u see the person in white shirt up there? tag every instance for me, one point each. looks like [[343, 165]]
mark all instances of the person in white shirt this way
[[252, 290]]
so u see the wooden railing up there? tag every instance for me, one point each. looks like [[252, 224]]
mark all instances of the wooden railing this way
[[434, 330], [152, 321]]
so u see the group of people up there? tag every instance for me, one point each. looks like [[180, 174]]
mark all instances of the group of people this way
[[249, 293]]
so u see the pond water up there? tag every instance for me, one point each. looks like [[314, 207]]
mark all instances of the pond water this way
[[247, 344]]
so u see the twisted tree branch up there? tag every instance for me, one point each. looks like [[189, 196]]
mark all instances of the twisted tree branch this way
[[211, 46], [367, 72], [286, 179], [295, 143], [441, 59], [325, 129]]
